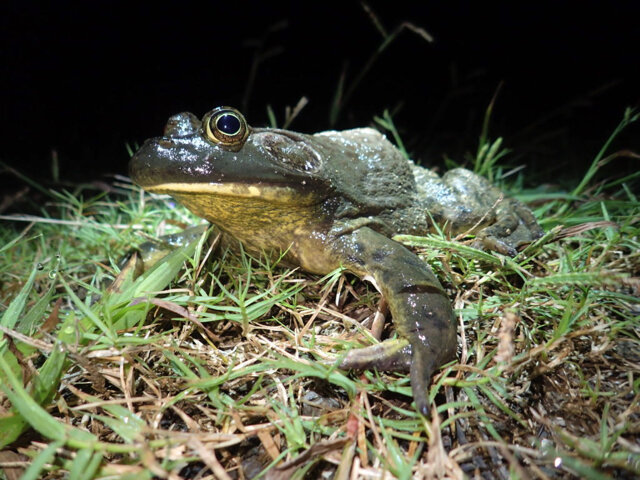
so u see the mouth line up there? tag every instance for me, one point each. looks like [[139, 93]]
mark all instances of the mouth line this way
[[263, 191]]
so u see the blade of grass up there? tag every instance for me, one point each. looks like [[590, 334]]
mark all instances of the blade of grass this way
[[34, 472], [628, 118], [16, 307], [85, 464]]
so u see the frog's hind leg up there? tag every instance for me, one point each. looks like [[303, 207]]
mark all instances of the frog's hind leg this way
[[514, 225], [466, 203], [419, 306]]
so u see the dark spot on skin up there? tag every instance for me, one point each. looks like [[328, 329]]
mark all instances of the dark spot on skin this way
[[438, 322], [379, 255], [355, 260]]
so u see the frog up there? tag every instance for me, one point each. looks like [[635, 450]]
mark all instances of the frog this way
[[335, 199]]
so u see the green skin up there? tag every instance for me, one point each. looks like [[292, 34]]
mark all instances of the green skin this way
[[333, 199]]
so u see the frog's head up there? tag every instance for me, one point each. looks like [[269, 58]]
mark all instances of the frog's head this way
[[223, 155], [224, 170]]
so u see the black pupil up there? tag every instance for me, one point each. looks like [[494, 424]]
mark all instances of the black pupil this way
[[228, 124]]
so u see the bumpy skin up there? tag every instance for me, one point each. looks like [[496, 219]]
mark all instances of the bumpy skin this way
[[335, 198]]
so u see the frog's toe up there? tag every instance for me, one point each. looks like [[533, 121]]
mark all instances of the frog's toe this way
[[528, 220], [389, 356], [420, 380], [506, 239], [495, 244], [398, 356]]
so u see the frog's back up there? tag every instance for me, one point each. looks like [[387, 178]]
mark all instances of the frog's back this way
[[373, 177]]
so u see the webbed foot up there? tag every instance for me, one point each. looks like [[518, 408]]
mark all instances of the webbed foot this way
[[152, 252], [463, 202], [390, 356], [514, 226], [399, 356]]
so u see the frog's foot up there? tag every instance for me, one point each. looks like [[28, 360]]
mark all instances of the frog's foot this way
[[515, 225], [152, 252], [389, 356], [398, 356]]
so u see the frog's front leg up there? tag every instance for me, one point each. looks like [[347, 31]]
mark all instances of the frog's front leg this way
[[151, 252], [421, 311]]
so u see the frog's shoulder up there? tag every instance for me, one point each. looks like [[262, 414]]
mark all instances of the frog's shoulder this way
[[366, 167]]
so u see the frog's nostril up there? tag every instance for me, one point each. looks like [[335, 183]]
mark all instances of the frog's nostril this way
[[182, 124]]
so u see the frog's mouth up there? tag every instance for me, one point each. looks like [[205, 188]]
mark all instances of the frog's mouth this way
[[270, 193]]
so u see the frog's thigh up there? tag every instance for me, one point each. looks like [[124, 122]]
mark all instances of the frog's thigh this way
[[460, 200], [507, 222], [470, 187]]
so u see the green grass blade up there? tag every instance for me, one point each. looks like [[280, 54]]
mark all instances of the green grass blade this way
[[30, 410], [34, 472], [629, 117], [85, 464], [43, 388], [16, 307], [35, 315]]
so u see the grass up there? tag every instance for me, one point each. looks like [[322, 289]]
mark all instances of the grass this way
[[208, 366]]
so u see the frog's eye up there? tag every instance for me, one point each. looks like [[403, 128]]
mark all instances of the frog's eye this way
[[226, 127]]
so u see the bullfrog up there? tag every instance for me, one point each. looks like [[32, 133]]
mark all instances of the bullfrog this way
[[334, 199]]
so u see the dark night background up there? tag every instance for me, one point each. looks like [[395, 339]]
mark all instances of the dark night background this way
[[87, 78]]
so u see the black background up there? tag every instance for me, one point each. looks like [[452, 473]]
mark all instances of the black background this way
[[87, 78]]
